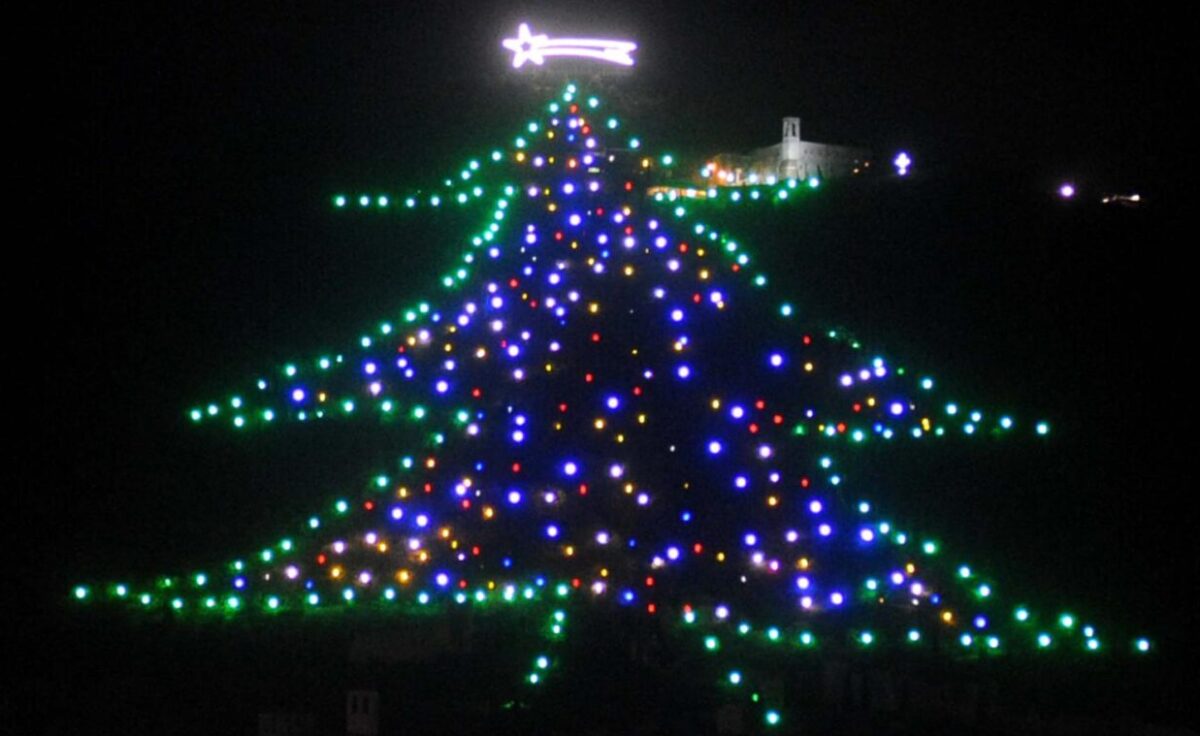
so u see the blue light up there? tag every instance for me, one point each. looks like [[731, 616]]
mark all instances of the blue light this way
[[714, 447], [776, 360], [297, 395]]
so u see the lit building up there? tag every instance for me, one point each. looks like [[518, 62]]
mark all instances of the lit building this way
[[791, 158]]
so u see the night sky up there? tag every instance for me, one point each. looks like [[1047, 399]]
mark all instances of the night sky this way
[[182, 241]]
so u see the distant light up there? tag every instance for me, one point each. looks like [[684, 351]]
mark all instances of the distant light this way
[[1067, 190], [902, 162]]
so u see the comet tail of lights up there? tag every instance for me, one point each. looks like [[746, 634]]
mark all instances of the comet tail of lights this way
[[594, 429], [537, 48]]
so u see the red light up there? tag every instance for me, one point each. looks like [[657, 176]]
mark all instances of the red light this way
[[369, 505], [516, 467], [649, 582], [753, 428], [651, 609]]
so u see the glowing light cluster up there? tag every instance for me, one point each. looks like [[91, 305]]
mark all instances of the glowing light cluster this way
[[598, 431]]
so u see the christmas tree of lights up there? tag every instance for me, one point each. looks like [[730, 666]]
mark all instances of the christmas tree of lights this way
[[618, 414]]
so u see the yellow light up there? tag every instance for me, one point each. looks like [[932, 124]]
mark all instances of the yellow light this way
[[925, 423], [604, 572], [628, 488], [772, 501], [321, 397], [699, 252], [808, 367], [910, 568], [549, 367], [620, 438], [947, 617], [628, 270], [720, 557], [641, 418], [383, 546], [520, 156], [403, 492], [593, 307], [335, 571], [449, 347], [552, 207], [569, 551], [488, 512], [802, 563], [704, 274], [423, 556], [431, 463], [481, 353], [444, 532], [403, 577], [491, 585], [870, 401], [599, 423], [715, 404]]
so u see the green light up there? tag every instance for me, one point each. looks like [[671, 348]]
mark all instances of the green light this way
[[364, 201], [233, 602], [177, 604], [1022, 614], [966, 640], [348, 595], [1043, 428], [772, 718], [542, 662], [929, 548], [145, 599], [121, 591], [341, 507], [735, 678], [866, 638], [668, 159], [1093, 645], [81, 592], [806, 639], [964, 572], [993, 642], [773, 634], [914, 635], [210, 602], [423, 598], [273, 603], [534, 678], [712, 643], [1142, 645], [339, 201], [201, 579], [196, 415], [1044, 640], [1066, 621]]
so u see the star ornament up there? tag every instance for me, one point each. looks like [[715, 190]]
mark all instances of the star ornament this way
[[529, 47]]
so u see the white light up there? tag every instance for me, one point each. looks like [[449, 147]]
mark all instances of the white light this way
[[529, 47]]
